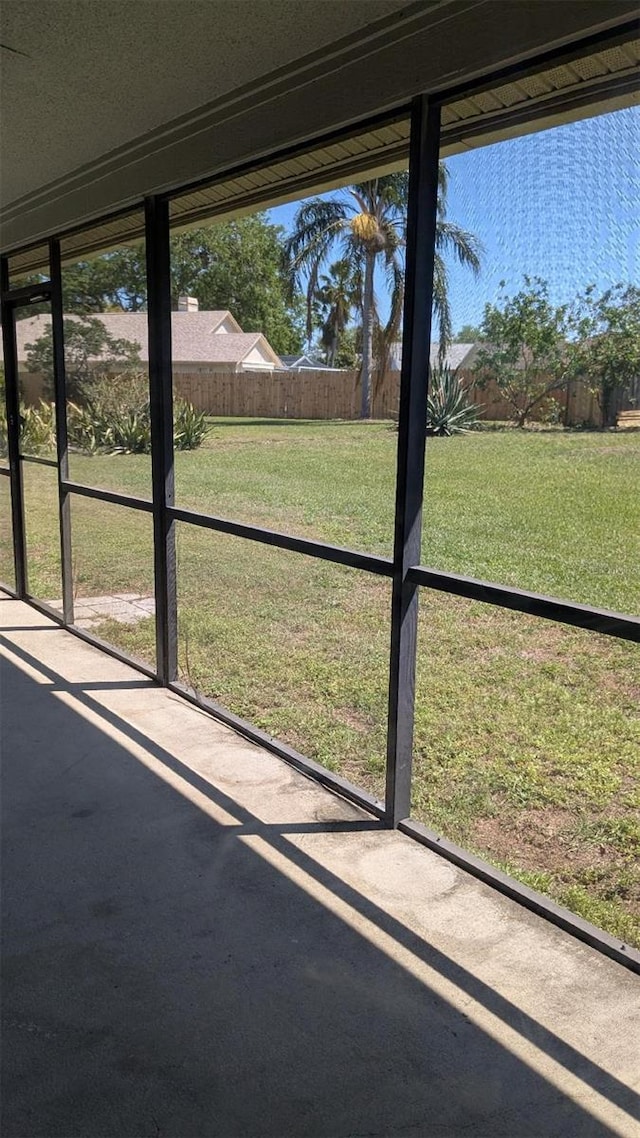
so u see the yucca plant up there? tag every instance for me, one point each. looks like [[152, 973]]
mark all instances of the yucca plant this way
[[99, 427], [37, 428], [128, 432], [81, 429], [190, 427], [449, 409]]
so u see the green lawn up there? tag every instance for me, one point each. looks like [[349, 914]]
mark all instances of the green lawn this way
[[527, 733]]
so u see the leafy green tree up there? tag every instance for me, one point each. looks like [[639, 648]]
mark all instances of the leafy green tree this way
[[238, 265], [88, 346], [349, 350], [526, 350], [606, 351], [468, 334], [366, 223], [113, 282], [235, 265]]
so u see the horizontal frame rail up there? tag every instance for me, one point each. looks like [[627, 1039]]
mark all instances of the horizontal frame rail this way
[[28, 294], [523, 895], [142, 504], [38, 461], [369, 562], [535, 604]]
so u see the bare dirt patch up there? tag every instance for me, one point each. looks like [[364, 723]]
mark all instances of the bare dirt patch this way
[[538, 839], [357, 720], [546, 840]]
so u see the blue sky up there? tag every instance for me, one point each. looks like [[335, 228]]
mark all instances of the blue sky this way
[[563, 204]]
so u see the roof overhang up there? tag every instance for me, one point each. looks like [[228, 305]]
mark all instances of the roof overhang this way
[[582, 83]]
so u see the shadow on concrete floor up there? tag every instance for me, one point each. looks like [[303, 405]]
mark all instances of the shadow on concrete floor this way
[[163, 980]]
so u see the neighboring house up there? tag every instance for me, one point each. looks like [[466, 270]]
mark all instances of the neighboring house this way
[[201, 341], [305, 363], [457, 355]]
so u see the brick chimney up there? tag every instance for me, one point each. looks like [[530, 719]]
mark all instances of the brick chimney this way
[[187, 304]]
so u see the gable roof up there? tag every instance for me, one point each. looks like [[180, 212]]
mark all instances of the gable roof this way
[[457, 355], [305, 363], [195, 336], [232, 348]]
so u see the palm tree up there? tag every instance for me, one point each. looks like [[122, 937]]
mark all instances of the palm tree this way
[[336, 297], [366, 222]]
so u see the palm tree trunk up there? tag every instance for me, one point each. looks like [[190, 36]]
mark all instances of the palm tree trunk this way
[[367, 333], [333, 350]]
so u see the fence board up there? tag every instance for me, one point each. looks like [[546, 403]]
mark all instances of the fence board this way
[[336, 395]]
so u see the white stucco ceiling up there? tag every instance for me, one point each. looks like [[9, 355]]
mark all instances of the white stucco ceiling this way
[[93, 74]]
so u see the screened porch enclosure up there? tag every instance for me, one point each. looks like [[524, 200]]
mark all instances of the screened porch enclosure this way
[[125, 554]]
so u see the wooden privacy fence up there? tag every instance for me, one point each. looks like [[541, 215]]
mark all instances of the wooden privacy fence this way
[[576, 405], [338, 394], [287, 394]]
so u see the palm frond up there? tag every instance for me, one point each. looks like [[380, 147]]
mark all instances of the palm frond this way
[[315, 225], [465, 246], [394, 236], [389, 190], [361, 197], [443, 188]]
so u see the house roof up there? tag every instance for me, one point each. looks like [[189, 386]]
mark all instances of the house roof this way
[[457, 355], [195, 336], [304, 362], [231, 348]]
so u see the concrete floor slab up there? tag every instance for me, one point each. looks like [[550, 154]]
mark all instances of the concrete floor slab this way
[[199, 941]]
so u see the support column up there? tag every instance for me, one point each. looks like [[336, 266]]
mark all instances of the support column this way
[[418, 304], [13, 433], [60, 390], [161, 395]]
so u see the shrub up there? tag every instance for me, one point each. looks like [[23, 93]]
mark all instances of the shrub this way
[[113, 417], [449, 410], [116, 418], [190, 427], [112, 394], [82, 431], [37, 428]]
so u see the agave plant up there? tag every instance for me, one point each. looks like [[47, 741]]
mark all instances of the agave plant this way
[[82, 431], [116, 419], [190, 427], [37, 428], [129, 432], [449, 409]]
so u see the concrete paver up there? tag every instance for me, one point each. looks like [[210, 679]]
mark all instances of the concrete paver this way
[[126, 608]]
